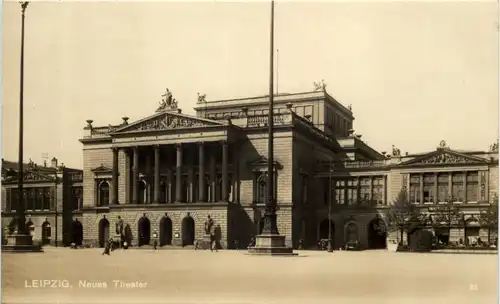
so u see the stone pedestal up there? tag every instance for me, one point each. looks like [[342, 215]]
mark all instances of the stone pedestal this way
[[205, 243], [270, 244], [20, 243]]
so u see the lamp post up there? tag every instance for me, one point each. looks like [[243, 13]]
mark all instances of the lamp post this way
[[20, 174], [330, 246], [270, 242]]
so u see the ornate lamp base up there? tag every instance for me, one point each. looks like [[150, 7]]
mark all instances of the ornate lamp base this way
[[271, 244], [20, 243]]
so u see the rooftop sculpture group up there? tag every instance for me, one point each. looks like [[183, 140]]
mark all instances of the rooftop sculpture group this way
[[167, 101]]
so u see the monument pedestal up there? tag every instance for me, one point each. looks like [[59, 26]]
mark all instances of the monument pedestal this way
[[205, 243], [270, 244], [20, 243]]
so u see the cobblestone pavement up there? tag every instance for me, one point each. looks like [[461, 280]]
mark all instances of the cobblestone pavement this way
[[182, 276]]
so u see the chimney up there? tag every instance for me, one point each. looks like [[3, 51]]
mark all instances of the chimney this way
[[45, 163], [54, 162]]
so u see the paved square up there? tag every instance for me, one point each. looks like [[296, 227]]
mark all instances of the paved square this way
[[184, 276]]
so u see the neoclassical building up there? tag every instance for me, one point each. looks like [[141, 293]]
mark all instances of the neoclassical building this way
[[52, 197], [164, 174]]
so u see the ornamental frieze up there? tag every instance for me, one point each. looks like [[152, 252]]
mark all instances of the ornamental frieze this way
[[167, 122], [446, 158]]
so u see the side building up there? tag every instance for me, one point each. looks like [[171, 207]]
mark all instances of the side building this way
[[53, 201], [163, 175]]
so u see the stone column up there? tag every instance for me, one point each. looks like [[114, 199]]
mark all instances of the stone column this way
[[128, 164], [201, 172], [436, 194], [235, 175], [114, 194], [148, 177], [191, 181], [465, 186], [421, 188], [135, 176], [213, 177], [225, 180], [178, 174], [157, 175], [170, 180], [384, 190], [450, 185]]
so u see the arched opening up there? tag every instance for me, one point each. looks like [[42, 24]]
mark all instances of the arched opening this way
[[104, 194], [351, 233], [324, 230], [77, 233], [46, 233], [144, 229], [103, 232], [30, 228], [142, 192], [188, 233], [165, 231], [377, 234]]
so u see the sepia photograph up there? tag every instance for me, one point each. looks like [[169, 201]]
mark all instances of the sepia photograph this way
[[255, 152]]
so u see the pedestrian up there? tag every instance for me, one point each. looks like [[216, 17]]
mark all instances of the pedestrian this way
[[107, 247], [155, 244], [213, 240]]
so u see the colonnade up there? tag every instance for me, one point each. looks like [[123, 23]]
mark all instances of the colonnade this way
[[181, 164]]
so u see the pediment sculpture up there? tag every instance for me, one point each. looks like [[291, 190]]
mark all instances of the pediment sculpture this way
[[494, 147], [446, 158], [166, 122]]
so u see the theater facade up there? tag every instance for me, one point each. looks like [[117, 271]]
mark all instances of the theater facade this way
[[163, 175]]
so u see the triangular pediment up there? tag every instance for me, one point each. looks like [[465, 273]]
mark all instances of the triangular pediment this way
[[167, 121], [102, 169], [444, 157], [31, 176]]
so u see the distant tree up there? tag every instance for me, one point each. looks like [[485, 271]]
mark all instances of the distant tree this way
[[489, 217], [446, 214], [403, 216]]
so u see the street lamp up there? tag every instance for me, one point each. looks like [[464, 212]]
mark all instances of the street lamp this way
[[21, 208], [330, 246]]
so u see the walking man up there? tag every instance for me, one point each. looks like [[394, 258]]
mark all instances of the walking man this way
[[213, 239]]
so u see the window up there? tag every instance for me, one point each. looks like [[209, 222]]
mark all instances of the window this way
[[472, 186], [429, 195], [47, 199], [443, 183], [457, 187], [378, 190], [103, 197], [262, 189], [414, 194], [364, 190], [39, 199], [30, 201], [340, 192], [352, 191], [76, 198]]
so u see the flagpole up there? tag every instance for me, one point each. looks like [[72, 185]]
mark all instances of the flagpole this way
[[270, 242]]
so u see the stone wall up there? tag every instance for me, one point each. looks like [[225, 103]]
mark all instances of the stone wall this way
[[93, 156], [132, 217]]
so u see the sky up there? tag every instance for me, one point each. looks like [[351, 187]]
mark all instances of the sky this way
[[414, 73]]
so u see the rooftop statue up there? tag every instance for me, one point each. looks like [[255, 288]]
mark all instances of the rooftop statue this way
[[202, 98], [167, 101]]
